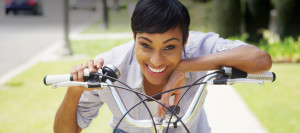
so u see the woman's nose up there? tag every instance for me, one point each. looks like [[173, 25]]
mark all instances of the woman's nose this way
[[157, 59]]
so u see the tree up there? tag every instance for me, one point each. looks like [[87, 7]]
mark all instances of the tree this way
[[67, 46], [116, 5], [257, 18], [105, 14], [288, 17], [227, 17]]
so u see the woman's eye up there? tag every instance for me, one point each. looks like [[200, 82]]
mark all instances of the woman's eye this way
[[170, 47], [146, 45]]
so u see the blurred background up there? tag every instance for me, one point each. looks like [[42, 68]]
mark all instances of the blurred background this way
[[41, 37]]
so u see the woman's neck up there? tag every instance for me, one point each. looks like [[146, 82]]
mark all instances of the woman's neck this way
[[152, 89]]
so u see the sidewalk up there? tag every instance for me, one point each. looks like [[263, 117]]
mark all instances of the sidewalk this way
[[228, 113]]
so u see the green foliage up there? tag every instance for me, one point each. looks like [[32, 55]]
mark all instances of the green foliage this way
[[286, 50], [276, 105]]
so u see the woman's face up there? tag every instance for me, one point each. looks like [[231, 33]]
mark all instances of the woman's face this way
[[158, 54]]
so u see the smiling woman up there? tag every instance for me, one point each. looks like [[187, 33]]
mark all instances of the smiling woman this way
[[154, 62]]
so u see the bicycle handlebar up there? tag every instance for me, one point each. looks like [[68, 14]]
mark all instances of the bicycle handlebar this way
[[92, 79], [224, 76]]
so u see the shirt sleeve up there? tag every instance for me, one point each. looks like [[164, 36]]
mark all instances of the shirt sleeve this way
[[208, 43], [88, 108], [225, 44]]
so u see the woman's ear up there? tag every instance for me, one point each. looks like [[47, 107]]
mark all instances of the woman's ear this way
[[186, 40]]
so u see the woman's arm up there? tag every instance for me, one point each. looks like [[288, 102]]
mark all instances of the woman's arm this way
[[65, 119], [66, 115], [248, 58]]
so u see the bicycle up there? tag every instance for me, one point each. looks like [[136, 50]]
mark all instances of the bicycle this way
[[105, 77]]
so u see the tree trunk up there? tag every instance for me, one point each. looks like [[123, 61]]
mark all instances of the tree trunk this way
[[227, 17], [67, 46], [288, 17], [257, 18], [105, 14], [116, 5]]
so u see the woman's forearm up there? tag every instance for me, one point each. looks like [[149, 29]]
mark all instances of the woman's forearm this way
[[65, 119], [247, 58]]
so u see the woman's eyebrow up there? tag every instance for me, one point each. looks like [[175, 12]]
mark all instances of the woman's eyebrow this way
[[170, 40], [145, 38]]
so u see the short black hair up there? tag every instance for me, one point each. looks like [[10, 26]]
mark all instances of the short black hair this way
[[158, 16]]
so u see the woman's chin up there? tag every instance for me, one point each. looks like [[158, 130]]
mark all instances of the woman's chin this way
[[155, 81]]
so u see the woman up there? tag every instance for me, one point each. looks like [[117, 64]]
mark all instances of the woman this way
[[162, 56]]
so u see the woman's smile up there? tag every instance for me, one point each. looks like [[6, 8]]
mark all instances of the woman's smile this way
[[156, 71]]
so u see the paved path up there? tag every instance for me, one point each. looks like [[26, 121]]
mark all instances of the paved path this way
[[228, 113]]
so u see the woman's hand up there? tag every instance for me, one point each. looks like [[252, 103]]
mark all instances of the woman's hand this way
[[78, 71], [176, 79]]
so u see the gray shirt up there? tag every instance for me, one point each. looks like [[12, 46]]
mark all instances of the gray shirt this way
[[123, 57]]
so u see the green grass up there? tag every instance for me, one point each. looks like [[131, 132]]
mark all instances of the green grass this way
[[276, 105], [94, 47], [28, 106]]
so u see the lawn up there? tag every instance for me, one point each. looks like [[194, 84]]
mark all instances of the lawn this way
[[28, 106], [94, 47], [276, 105]]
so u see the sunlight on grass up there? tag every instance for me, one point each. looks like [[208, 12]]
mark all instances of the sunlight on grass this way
[[276, 104], [94, 47], [28, 106]]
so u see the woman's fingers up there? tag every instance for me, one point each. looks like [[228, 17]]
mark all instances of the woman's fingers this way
[[99, 63], [77, 71], [74, 73], [80, 70], [90, 65], [176, 79], [177, 93], [161, 111]]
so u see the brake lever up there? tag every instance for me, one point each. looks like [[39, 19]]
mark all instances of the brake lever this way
[[83, 84], [244, 80], [71, 83]]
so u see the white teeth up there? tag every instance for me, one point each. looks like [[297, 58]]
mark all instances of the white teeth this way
[[156, 70]]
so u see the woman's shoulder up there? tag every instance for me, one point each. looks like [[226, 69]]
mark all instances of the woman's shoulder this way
[[200, 43]]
